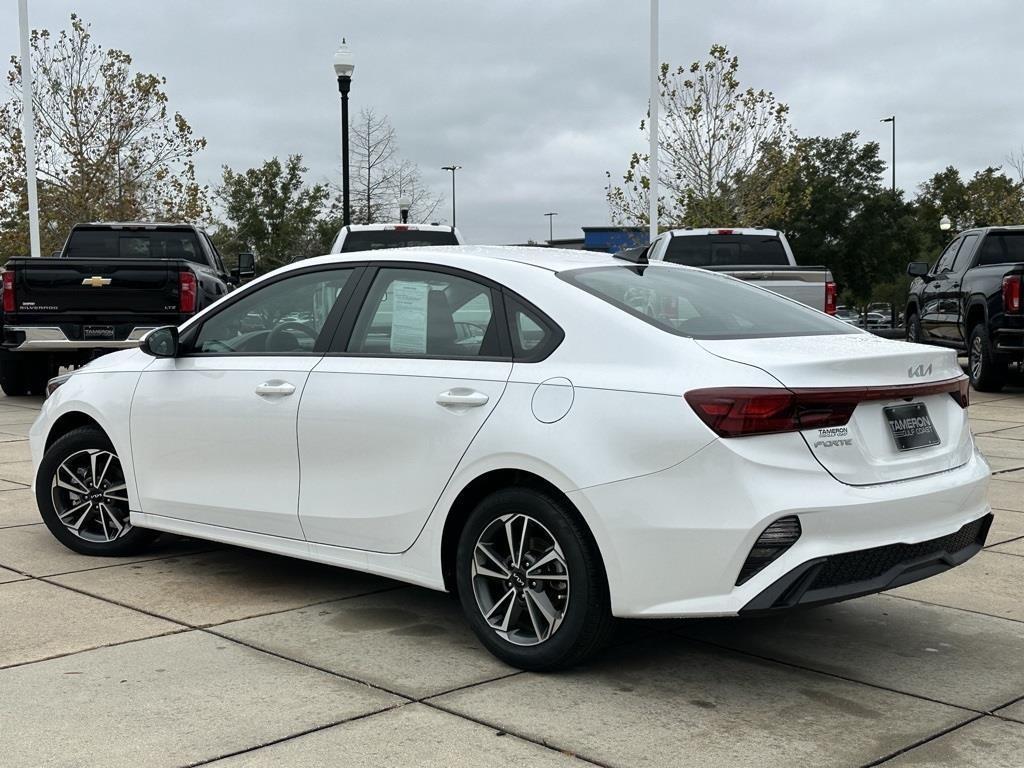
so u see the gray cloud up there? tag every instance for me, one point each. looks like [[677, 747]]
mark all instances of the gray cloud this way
[[537, 100]]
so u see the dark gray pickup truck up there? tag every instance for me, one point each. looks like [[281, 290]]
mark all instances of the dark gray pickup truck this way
[[110, 285], [971, 300]]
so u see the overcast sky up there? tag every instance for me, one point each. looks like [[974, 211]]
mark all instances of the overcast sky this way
[[538, 99]]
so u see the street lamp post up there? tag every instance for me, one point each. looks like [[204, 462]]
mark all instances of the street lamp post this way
[[453, 168], [551, 231], [343, 68], [892, 119]]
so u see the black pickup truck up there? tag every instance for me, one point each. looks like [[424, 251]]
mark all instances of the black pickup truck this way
[[970, 300], [109, 285]]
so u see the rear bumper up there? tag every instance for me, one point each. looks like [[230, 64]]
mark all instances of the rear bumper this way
[[1009, 341], [54, 339], [863, 572]]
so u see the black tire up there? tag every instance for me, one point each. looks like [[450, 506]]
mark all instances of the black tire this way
[[914, 331], [22, 375], [72, 447], [586, 621], [988, 373]]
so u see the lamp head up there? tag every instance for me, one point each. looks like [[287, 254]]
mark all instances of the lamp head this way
[[344, 64]]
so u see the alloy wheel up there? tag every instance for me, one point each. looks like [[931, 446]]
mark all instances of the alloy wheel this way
[[976, 358], [90, 496], [520, 579]]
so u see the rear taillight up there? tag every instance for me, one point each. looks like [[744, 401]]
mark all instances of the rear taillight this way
[[8, 290], [830, 298], [186, 292], [742, 411], [1011, 293]]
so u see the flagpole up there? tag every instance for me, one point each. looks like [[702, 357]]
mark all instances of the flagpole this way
[[28, 131], [653, 123]]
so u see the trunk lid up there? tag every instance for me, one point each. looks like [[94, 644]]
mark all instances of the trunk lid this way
[[865, 451]]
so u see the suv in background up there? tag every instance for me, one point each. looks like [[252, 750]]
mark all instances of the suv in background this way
[[970, 300], [372, 237]]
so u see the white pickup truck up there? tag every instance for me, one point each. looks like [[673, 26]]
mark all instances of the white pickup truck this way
[[371, 237], [762, 256]]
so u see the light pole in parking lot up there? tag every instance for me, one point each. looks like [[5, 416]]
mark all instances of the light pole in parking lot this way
[[551, 230], [892, 119], [453, 168], [344, 66]]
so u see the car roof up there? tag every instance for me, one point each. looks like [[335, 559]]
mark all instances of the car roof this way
[[724, 231], [135, 225], [392, 225], [551, 259]]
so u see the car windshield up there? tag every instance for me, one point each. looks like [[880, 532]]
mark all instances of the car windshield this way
[[134, 244], [726, 250], [702, 305], [372, 240]]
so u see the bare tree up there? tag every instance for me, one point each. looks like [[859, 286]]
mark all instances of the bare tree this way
[[107, 144], [1016, 161], [380, 176], [712, 134]]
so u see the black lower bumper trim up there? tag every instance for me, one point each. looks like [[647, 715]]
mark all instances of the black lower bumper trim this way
[[852, 574]]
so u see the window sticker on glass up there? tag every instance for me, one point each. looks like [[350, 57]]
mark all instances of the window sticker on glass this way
[[409, 317]]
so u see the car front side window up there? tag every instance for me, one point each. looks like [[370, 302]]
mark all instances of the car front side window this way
[[283, 318]]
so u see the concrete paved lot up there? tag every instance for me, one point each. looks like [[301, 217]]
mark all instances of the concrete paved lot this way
[[198, 654]]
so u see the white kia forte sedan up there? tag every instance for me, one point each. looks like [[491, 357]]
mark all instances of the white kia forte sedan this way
[[558, 437]]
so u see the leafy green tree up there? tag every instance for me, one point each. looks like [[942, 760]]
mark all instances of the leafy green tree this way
[[108, 146], [711, 132], [272, 211]]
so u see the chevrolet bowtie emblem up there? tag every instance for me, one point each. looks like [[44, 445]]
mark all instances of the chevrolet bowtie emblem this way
[[96, 281]]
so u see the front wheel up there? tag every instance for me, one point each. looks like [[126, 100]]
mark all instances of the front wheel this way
[[987, 372], [83, 498], [531, 581]]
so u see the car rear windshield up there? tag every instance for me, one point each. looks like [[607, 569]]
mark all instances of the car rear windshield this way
[[702, 305], [372, 240], [134, 244], [726, 250], [1002, 248]]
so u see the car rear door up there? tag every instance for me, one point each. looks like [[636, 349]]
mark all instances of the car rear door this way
[[214, 431], [414, 372]]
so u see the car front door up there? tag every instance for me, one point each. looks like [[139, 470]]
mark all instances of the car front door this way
[[213, 430], [934, 312], [386, 416], [952, 298]]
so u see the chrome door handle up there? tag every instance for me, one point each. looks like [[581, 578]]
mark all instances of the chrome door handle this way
[[462, 396], [275, 388]]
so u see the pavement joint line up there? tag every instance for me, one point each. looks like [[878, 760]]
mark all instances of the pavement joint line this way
[[922, 742], [154, 559], [299, 734], [956, 607], [17, 525], [835, 675], [504, 731], [1008, 554], [69, 654]]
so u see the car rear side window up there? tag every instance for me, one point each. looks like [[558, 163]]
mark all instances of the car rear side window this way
[[534, 336], [725, 250], [702, 305], [419, 313]]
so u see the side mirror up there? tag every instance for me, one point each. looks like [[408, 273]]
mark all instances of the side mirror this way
[[918, 269], [246, 268], [161, 342]]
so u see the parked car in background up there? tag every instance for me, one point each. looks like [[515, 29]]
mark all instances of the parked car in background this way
[[111, 283], [760, 256], [745, 454], [970, 300], [372, 237]]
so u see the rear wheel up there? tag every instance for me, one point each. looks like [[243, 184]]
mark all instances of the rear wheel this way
[[22, 375], [83, 498], [531, 582], [914, 328], [988, 373]]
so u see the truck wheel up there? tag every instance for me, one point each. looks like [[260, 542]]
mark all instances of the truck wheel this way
[[987, 372], [14, 378], [914, 329]]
